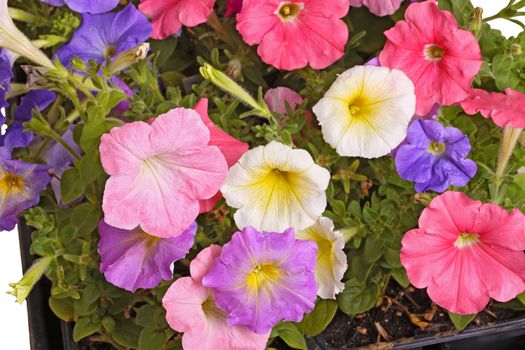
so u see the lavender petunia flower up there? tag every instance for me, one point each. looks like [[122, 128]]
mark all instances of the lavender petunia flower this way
[[85, 6], [15, 136], [133, 259], [434, 157], [20, 187], [263, 278], [6, 75], [101, 37]]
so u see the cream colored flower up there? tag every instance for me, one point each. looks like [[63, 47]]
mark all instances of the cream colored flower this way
[[14, 40], [275, 187], [366, 112], [331, 259]]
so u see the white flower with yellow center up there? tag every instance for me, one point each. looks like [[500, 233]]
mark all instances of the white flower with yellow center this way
[[331, 262], [366, 112], [275, 187]]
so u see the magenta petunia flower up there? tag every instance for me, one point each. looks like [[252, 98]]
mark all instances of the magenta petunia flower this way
[[133, 259], [466, 252], [440, 59], [378, 7], [231, 148], [263, 278], [160, 172], [505, 109], [190, 308], [278, 97], [170, 15], [233, 7], [20, 187], [296, 33]]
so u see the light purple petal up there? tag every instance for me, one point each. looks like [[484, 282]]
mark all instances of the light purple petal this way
[[132, 259]]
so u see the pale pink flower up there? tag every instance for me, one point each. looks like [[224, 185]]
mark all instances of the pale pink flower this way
[[466, 252], [231, 148], [505, 109], [190, 308], [159, 172], [278, 97], [441, 59], [378, 7], [170, 15], [296, 33]]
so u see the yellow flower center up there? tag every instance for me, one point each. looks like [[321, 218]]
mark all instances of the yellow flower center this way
[[436, 148], [433, 52], [466, 240], [288, 11], [262, 275], [11, 183], [110, 51]]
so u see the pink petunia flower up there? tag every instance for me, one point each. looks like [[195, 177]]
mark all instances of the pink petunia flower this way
[[231, 148], [278, 97], [505, 109], [466, 252], [190, 308], [233, 7], [378, 7], [160, 172], [296, 33], [170, 15], [441, 59]]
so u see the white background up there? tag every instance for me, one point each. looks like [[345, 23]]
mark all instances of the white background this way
[[13, 317]]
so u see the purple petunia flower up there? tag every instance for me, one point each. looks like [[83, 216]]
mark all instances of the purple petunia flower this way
[[133, 259], [6, 75], [15, 136], [103, 36], [20, 187], [263, 278], [434, 157], [85, 6]]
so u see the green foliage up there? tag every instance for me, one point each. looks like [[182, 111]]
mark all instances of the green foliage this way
[[461, 321], [367, 200]]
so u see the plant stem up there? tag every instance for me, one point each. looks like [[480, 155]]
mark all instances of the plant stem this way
[[60, 140]]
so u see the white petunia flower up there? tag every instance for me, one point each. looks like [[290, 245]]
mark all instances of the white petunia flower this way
[[366, 112], [275, 187], [14, 40], [331, 259]]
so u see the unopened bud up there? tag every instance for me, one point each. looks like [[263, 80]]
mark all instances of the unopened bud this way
[[128, 58]]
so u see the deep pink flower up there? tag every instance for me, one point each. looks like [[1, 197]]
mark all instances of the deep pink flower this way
[[231, 148], [190, 308], [441, 59], [160, 172], [295, 33], [505, 109], [170, 15], [466, 252], [378, 7], [233, 7], [278, 97]]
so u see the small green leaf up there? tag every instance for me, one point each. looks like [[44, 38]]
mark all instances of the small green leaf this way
[[316, 321], [357, 297], [84, 327], [126, 333], [461, 321], [63, 308], [291, 335], [70, 185], [151, 339], [521, 297]]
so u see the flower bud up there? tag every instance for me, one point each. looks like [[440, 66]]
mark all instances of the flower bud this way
[[128, 58], [22, 289]]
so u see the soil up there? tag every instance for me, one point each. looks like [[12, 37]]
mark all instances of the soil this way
[[404, 313]]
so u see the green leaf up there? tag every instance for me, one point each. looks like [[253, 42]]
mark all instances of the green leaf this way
[[85, 217], [401, 277], [316, 321], [71, 186], [93, 130], [461, 321], [84, 327], [357, 297], [126, 333], [151, 339], [521, 298], [151, 316], [89, 168], [63, 308], [291, 335], [502, 67]]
